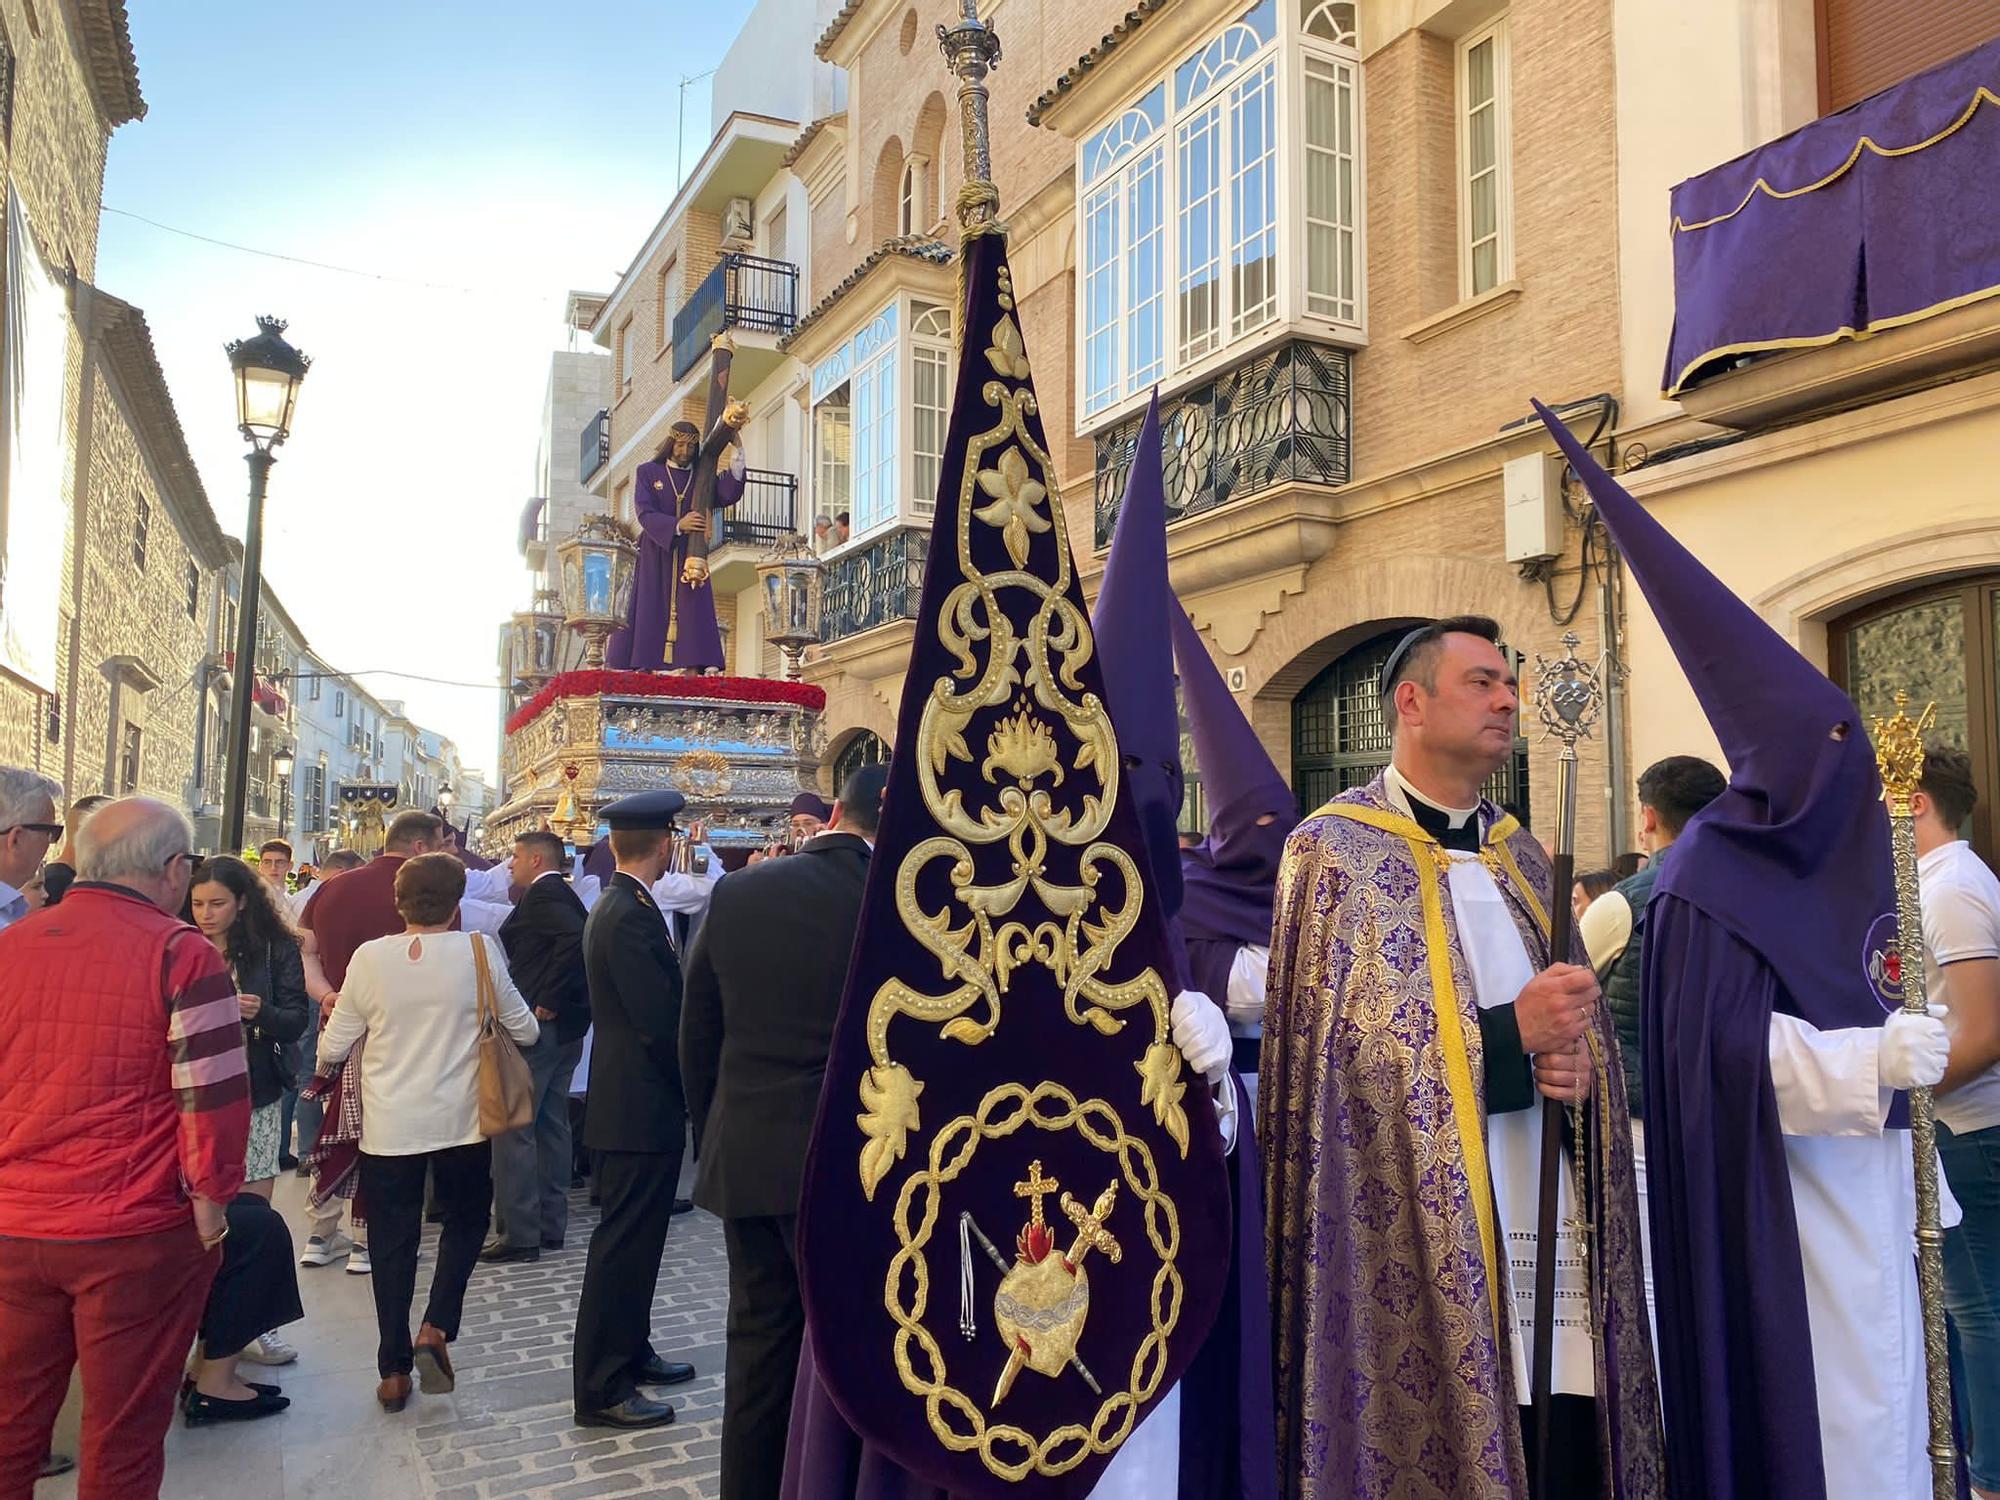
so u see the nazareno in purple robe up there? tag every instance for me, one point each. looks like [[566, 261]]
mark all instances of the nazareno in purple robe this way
[[662, 494], [1779, 899]]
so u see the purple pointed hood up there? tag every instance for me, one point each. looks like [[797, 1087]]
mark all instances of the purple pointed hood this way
[[1793, 859], [1132, 620], [1231, 876]]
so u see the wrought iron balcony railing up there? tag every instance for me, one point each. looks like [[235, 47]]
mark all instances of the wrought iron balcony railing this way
[[767, 513], [875, 584], [595, 449], [1281, 416], [743, 291]]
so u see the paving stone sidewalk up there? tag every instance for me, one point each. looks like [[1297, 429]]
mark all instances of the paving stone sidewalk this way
[[505, 1432]]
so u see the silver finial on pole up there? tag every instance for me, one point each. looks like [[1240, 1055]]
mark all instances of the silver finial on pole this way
[[972, 50]]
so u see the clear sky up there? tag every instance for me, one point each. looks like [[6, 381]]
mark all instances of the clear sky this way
[[508, 150]]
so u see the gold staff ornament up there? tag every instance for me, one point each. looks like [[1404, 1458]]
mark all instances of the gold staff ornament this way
[[1899, 755]]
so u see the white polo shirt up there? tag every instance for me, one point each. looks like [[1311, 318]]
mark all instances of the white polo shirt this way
[[1961, 922]]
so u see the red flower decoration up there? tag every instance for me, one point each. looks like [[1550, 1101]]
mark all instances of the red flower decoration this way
[[681, 686]]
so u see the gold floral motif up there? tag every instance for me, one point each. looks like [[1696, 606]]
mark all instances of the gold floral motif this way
[[1007, 355], [889, 1099], [1015, 508], [1022, 747], [1160, 1086]]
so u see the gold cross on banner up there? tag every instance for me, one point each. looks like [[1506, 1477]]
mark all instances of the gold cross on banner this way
[[1037, 1187], [1090, 1231]]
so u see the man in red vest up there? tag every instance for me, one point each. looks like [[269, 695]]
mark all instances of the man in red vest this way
[[124, 1117]]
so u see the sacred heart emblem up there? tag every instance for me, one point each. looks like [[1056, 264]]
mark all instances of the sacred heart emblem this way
[[1044, 1297]]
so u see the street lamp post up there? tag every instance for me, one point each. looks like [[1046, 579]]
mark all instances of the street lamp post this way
[[268, 372], [282, 765]]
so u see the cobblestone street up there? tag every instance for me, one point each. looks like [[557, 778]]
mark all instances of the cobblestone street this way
[[506, 1431]]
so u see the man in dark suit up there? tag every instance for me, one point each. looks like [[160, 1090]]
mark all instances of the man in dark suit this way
[[763, 991], [636, 1126], [543, 937]]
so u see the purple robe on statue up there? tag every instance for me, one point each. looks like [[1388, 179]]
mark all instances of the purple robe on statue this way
[[663, 602]]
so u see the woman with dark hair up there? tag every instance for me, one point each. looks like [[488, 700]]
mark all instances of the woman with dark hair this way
[[237, 912]]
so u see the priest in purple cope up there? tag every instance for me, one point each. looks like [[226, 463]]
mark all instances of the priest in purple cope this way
[[672, 625]]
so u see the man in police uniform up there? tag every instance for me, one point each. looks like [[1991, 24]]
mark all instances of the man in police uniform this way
[[636, 1127]]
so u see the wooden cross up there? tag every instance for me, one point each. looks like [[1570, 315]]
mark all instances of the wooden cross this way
[[1036, 1188], [1090, 1231]]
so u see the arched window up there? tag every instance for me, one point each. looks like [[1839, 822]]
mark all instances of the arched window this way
[[1938, 644], [930, 400], [866, 749], [1340, 739], [912, 213]]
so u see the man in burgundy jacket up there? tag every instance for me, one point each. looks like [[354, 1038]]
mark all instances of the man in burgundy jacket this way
[[124, 1116]]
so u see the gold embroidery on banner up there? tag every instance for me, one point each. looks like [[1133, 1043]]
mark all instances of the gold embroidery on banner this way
[[1018, 767], [1010, 1451], [1036, 669]]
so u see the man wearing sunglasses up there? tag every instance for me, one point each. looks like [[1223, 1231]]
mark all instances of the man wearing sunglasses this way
[[28, 828]]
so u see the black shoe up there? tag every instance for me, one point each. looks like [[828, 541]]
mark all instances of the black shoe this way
[[683, 1205], [187, 1390], [657, 1371], [552, 1244], [502, 1253], [634, 1411], [287, 1162], [54, 1464], [202, 1411], [435, 1216]]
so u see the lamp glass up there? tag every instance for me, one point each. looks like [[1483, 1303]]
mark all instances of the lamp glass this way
[[264, 399], [282, 762]]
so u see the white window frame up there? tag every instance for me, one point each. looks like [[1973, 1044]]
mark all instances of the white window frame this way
[[1496, 32], [878, 366], [1198, 103], [930, 345], [912, 213]]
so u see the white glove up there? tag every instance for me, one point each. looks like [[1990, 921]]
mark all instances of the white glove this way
[[1914, 1050], [1201, 1031]]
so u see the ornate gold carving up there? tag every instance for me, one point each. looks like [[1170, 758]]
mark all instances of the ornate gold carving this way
[[1899, 751], [705, 774]]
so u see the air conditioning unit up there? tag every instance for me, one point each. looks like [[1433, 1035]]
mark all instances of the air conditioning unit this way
[[1533, 487]]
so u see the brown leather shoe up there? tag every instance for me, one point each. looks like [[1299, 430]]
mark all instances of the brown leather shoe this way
[[434, 1376], [393, 1392]]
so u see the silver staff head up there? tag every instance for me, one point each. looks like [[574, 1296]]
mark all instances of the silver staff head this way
[[1568, 695]]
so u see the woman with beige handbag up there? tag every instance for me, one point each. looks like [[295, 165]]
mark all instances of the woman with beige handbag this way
[[440, 1074]]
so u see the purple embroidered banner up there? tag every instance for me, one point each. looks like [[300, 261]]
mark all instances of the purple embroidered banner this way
[[1879, 215]]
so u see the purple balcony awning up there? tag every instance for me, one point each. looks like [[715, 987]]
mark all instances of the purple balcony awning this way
[[1880, 215]]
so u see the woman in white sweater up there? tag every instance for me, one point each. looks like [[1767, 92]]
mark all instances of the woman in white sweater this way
[[413, 999]]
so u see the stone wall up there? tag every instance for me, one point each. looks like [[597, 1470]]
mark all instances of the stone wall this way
[[54, 156], [128, 610]]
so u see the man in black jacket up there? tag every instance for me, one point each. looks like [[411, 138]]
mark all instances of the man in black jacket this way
[[636, 1126], [544, 941], [763, 991]]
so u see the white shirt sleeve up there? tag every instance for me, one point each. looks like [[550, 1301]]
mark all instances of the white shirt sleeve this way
[[586, 888], [482, 916], [489, 885], [515, 1018], [1826, 1081], [678, 891], [349, 1022]]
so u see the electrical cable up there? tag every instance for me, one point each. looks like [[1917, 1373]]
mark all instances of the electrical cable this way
[[323, 265]]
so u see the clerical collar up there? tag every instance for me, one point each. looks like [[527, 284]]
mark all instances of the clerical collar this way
[[1453, 827]]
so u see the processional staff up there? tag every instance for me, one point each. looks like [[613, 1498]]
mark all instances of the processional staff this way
[[1567, 699], [1899, 755]]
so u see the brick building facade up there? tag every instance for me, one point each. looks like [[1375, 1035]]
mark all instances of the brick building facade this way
[[1424, 177]]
